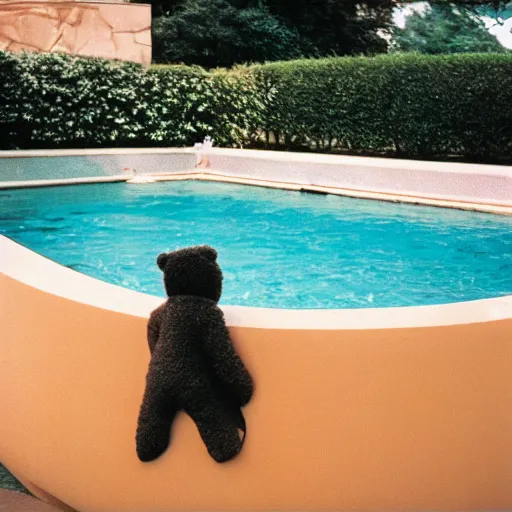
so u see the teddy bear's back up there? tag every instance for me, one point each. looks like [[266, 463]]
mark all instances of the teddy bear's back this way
[[178, 360]]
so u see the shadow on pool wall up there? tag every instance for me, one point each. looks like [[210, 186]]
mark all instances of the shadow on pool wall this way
[[33, 168], [370, 409]]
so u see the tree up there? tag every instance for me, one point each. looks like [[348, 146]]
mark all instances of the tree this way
[[337, 27], [445, 28], [496, 10], [214, 33], [225, 32], [496, 6], [161, 7]]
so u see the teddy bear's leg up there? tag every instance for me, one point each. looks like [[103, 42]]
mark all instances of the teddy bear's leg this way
[[156, 415], [217, 428]]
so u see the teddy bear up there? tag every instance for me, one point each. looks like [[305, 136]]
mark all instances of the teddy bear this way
[[193, 367]]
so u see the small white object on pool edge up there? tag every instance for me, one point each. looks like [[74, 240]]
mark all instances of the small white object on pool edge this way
[[141, 179], [137, 178]]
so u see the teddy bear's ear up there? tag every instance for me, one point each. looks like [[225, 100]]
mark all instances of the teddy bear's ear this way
[[162, 260], [208, 252]]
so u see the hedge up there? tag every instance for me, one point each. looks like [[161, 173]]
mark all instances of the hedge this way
[[410, 105], [59, 101], [413, 105]]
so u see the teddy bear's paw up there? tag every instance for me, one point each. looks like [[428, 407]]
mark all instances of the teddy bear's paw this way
[[225, 453], [224, 446], [152, 442]]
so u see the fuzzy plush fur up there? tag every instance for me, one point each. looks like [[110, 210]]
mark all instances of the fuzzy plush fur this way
[[193, 366]]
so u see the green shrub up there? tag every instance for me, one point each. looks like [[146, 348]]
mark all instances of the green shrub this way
[[410, 105], [10, 109], [59, 101], [413, 105], [222, 104], [63, 101]]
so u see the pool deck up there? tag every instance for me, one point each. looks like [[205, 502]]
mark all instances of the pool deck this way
[[484, 188]]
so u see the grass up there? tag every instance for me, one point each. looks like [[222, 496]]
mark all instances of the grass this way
[[7, 481]]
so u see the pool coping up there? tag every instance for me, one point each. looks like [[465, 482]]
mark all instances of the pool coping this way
[[6, 185], [217, 174], [37, 271]]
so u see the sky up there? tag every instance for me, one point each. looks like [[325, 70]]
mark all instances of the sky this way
[[502, 32]]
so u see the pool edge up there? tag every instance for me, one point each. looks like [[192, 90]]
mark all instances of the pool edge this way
[[20, 263]]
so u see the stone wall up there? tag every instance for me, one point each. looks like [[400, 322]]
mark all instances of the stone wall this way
[[94, 29]]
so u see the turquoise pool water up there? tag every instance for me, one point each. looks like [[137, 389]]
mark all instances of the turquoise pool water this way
[[276, 248]]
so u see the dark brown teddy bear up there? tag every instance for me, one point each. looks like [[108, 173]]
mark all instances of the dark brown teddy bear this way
[[193, 366]]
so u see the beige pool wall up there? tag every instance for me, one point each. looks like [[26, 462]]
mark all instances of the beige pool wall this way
[[107, 29], [355, 410]]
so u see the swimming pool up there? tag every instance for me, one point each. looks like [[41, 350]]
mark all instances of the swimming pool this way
[[277, 249]]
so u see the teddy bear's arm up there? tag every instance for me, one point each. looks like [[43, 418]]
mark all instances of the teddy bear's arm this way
[[226, 363], [155, 319]]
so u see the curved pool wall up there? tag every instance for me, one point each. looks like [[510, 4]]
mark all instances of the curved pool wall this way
[[369, 409], [485, 188]]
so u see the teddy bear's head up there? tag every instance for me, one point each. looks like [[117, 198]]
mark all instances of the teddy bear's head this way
[[192, 271]]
